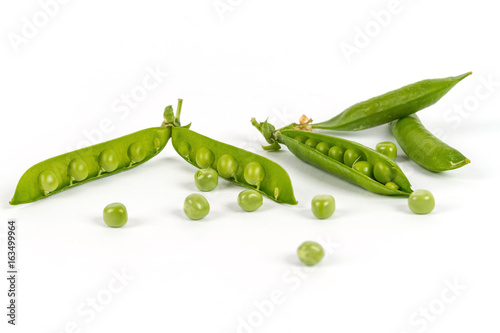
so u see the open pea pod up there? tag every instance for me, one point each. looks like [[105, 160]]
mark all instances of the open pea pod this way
[[390, 106], [104, 159], [68, 170], [339, 157], [237, 165]]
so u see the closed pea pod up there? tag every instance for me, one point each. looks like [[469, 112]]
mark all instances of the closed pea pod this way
[[390, 106], [250, 170], [424, 148]]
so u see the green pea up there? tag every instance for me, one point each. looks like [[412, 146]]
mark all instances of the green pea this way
[[301, 138], [157, 144], [388, 149], [323, 148], [382, 172], [204, 158], [227, 166], [421, 202], [108, 160], [366, 168], [184, 149], [249, 200], [392, 186], [311, 142], [78, 170], [323, 206], [206, 179], [310, 253], [351, 156], [136, 152], [254, 173], [115, 215], [337, 153], [196, 206], [47, 180]]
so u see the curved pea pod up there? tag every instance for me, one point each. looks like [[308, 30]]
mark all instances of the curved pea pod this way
[[83, 165], [424, 148], [391, 173], [390, 106], [198, 149]]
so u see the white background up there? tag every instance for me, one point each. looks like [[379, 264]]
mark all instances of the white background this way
[[277, 59]]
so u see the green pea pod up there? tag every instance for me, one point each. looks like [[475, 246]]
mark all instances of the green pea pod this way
[[383, 176], [234, 164], [390, 106], [424, 148], [83, 165]]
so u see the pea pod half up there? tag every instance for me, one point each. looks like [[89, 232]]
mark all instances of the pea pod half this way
[[83, 165], [237, 165], [390, 106], [349, 160], [424, 148]]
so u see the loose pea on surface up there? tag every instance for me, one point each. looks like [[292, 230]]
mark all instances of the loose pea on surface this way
[[47, 180], [337, 153], [115, 215], [227, 166], [249, 200], [366, 168], [323, 206], [351, 156], [204, 158], [310, 253], [421, 202], [196, 206], [254, 173], [78, 170], [388, 149], [206, 179], [108, 160], [323, 148]]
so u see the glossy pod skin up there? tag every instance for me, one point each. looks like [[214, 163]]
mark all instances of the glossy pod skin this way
[[81, 166], [390, 106], [274, 184], [424, 148]]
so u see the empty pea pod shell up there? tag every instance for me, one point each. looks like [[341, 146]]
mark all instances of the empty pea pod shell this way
[[275, 184], [333, 166], [390, 106], [424, 148], [65, 171]]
